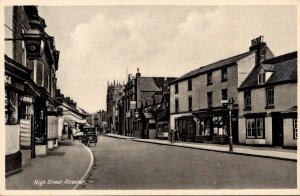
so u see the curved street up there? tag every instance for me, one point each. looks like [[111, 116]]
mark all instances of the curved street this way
[[126, 164]]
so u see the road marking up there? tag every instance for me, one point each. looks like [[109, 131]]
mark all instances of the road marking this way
[[89, 168]]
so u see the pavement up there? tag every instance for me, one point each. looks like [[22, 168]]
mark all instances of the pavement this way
[[65, 167], [268, 152]]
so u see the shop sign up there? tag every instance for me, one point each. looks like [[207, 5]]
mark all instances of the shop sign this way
[[128, 114], [33, 48], [7, 79], [26, 99], [132, 105]]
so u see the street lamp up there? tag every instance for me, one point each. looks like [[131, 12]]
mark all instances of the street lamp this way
[[229, 105]]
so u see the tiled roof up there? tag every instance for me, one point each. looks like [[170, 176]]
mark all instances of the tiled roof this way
[[285, 69], [149, 101], [157, 98], [213, 66], [148, 84]]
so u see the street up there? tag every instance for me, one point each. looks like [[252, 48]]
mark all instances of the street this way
[[125, 164]]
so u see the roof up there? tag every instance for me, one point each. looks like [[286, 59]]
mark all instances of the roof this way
[[213, 66], [158, 98], [290, 110], [285, 70], [148, 84], [268, 67], [149, 101]]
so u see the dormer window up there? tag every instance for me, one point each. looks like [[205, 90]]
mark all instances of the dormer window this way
[[262, 78], [265, 73]]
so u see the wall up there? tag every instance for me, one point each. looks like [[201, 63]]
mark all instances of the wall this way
[[12, 137], [245, 67], [174, 116], [288, 135], [258, 104], [217, 86], [8, 11], [281, 101]]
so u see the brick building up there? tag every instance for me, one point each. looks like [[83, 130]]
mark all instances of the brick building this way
[[133, 119], [31, 62]]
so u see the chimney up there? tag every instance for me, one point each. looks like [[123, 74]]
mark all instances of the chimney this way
[[57, 93], [138, 74], [260, 47]]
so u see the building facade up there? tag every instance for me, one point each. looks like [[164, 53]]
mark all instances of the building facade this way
[[134, 118], [31, 62], [196, 107], [114, 94], [268, 103]]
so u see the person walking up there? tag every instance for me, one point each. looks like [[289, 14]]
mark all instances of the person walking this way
[[69, 130], [176, 135], [171, 136]]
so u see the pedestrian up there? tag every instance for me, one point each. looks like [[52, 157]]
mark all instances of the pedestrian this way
[[171, 136], [69, 130], [176, 135]]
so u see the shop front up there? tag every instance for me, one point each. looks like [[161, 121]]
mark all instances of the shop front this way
[[213, 126], [15, 77], [186, 127]]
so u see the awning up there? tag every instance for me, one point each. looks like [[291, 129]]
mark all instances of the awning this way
[[148, 115], [71, 117]]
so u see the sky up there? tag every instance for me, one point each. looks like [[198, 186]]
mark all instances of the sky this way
[[100, 43]]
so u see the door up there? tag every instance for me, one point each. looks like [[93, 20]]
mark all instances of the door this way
[[277, 130]]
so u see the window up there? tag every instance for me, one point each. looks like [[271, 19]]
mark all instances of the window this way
[[261, 78], [247, 99], [209, 99], [209, 78], [255, 128], [190, 103], [176, 105], [176, 88], [295, 129], [270, 96], [224, 74], [224, 94], [11, 107], [190, 85]]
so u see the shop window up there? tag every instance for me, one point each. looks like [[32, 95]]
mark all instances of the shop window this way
[[204, 127], [190, 104], [255, 128], [295, 129], [224, 94], [11, 107], [247, 99], [190, 85], [176, 88], [270, 97], [176, 105], [219, 126], [224, 74], [209, 78], [209, 99]]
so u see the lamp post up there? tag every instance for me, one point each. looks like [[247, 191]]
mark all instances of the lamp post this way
[[229, 105]]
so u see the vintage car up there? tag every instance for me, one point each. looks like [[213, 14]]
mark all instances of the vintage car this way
[[89, 135]]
